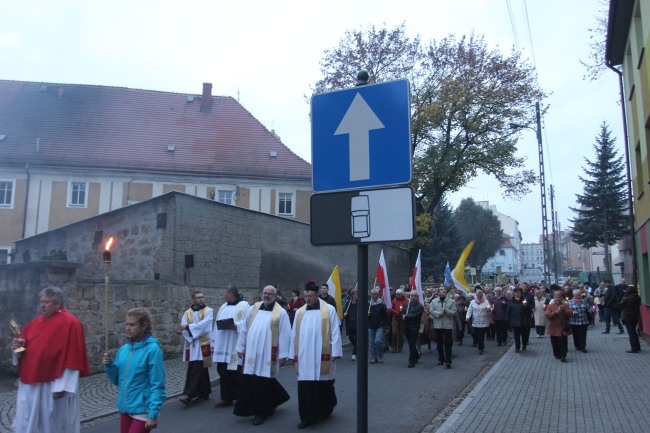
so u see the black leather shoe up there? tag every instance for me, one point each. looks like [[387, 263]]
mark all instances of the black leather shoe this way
[[411, 365], [449, 365], [584, 351], [605, 332], [632, 351], [563, 360], [259, 420], [303, 424], [440, 362]]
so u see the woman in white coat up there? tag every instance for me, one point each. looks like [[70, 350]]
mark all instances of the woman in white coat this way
[[478, 312], [540, 313]]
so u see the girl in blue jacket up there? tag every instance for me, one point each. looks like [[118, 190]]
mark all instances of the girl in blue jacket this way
[[139, 373]]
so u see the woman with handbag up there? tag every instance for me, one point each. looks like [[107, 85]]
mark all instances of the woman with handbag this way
[[558, 314]]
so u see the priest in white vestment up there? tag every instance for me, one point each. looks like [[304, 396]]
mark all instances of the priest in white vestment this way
[[263, 344], [224, 343], [315, 346]]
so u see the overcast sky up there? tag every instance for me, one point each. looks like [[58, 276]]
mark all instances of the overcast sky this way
[[266, 54]]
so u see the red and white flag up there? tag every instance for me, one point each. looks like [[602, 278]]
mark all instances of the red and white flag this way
[[382, 280], [416, 278]]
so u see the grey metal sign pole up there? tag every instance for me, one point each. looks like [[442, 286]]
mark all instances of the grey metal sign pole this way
[[362, 340], [362, 322]]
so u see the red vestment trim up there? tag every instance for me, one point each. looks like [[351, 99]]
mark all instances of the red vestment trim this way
[[274, 353]]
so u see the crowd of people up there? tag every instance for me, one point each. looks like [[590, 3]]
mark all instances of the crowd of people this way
[[445, 315], [250, 342]]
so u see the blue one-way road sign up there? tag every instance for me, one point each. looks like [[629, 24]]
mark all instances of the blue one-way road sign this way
[[361, 137]]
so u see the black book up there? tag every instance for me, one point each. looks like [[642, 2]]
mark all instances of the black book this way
[[225, 323]]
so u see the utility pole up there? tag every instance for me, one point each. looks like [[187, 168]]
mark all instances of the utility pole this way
[[542, 188], [553, 226]]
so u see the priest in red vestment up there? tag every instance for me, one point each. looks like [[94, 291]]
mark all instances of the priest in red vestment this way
[[50, 366]]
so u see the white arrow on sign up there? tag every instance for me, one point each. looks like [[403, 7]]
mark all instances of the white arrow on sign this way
[[358, 121]]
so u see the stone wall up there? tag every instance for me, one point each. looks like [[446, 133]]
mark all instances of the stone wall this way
[[165, 248]]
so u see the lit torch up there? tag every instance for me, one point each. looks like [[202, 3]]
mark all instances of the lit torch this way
[[106, 256]]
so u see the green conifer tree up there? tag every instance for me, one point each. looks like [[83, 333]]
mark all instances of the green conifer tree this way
[[602, 217]]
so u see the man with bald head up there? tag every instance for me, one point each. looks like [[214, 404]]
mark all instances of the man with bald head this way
[[263, 345]]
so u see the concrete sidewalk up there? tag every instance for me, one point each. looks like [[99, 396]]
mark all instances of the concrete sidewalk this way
[[605, 390]]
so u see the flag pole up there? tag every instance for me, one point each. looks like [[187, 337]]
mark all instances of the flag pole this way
[[371, 289], [348, 307]]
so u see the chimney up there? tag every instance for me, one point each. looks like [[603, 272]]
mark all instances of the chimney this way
[[206, 99]]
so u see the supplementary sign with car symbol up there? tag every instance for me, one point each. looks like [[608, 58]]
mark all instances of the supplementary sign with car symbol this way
[[361, 141], [363, 216]]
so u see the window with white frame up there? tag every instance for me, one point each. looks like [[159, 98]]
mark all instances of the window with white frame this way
[[225, 196], [285, 203], [77, 196], [6, 193]]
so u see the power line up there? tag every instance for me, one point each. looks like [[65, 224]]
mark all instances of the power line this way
[[513, 25], [530, 37]]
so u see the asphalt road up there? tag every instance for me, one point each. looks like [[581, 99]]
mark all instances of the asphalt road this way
[[400, 398]]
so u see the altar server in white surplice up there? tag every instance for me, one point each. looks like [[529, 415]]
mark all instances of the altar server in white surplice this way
[[315, 346], [196, 328], [263, 344], [224, 343]]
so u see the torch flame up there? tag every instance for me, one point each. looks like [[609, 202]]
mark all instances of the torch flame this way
[[108, 244]]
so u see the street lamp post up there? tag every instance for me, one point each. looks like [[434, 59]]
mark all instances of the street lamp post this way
[[542, 185]]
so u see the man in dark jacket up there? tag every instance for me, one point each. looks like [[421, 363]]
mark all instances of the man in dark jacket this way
[[631, 302], [518, 317], [350, 317], [612, 307], [500, 305], [412, 314], [530, 301], [621, 288], [323, 293]]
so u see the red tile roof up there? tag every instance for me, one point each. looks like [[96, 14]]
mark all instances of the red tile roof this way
[[505, 241], [116, 128]]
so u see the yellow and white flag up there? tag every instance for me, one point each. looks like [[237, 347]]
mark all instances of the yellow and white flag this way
[[458, 276], [335, 282]]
